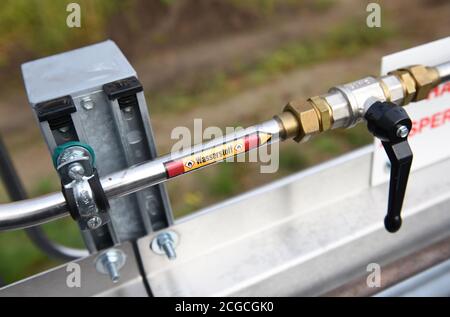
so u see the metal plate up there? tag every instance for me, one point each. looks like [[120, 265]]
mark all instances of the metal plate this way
[[78, 70], [304, 235], [54, 282], [99, 122]]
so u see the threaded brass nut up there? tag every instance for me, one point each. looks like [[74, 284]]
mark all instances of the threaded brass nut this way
[[425, 78], [324, 111], [307, 118], [289, 125], [408, 84]]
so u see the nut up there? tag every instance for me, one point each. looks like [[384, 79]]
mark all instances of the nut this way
[[386, 91], [324, 111], [307, 117], [288, 125], [425, 78], [408, 83]]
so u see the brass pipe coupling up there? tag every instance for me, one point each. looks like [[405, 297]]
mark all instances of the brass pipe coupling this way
[[302, 119], [417, 81], [345, 105]]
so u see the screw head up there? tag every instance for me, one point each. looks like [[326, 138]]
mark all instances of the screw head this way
[[63, 129], [87, 103], [94, 222], [127, 109], [76, 171], [402, 131], [72, 154]]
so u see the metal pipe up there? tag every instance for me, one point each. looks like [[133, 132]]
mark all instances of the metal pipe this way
[[444, 71], [31, 212], [343, 106], [16, 192], [53, 249]]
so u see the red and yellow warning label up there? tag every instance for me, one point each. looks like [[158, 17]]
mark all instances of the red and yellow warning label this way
[[215, 154]]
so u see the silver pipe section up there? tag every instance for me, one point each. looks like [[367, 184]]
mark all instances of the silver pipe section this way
[[31, 212], [444, 71], [348, 102]]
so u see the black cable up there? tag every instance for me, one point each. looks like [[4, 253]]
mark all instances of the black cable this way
[[141, 269], [16, 192]]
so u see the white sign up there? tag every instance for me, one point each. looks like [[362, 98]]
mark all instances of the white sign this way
[[430, 134]]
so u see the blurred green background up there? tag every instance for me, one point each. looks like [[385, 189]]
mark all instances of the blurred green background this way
[[229, 62]]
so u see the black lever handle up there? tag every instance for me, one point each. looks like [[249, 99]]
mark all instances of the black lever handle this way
[[391, 124]]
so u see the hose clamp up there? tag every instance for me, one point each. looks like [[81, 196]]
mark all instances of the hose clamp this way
[[81, 186]]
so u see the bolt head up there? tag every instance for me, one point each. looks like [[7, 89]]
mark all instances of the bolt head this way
[[94, 222], [164, 238], [127, 109], [74, 153], [87, 103], [402, 131], [63, 129], [76, 171]]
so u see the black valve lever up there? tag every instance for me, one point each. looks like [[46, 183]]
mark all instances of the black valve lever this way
[[391, 124]]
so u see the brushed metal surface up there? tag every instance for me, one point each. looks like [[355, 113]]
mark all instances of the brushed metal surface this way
[[304, 235]]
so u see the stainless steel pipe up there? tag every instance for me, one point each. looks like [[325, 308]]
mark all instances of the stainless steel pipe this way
[[444, 71], [345, 112], [31, 212]]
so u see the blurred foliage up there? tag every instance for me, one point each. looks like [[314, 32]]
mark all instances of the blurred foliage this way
[[45, 186], [269, 6], [20, 258], [223, 183], [262, 6], [346, 40], [39, 26], [293, 160]]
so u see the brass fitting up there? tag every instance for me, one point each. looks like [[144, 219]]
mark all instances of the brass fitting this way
[[425, 79], [324, 111], [302, 119], [289, 127], [417, 81], [408, 84], [307, 119]]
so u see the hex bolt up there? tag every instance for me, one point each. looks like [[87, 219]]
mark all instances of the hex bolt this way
[[402, 131], [94, 222], [76, 171], [110, 262], [127, 109], [71, 155], [63, 129], [165, 243], [87, 103]]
